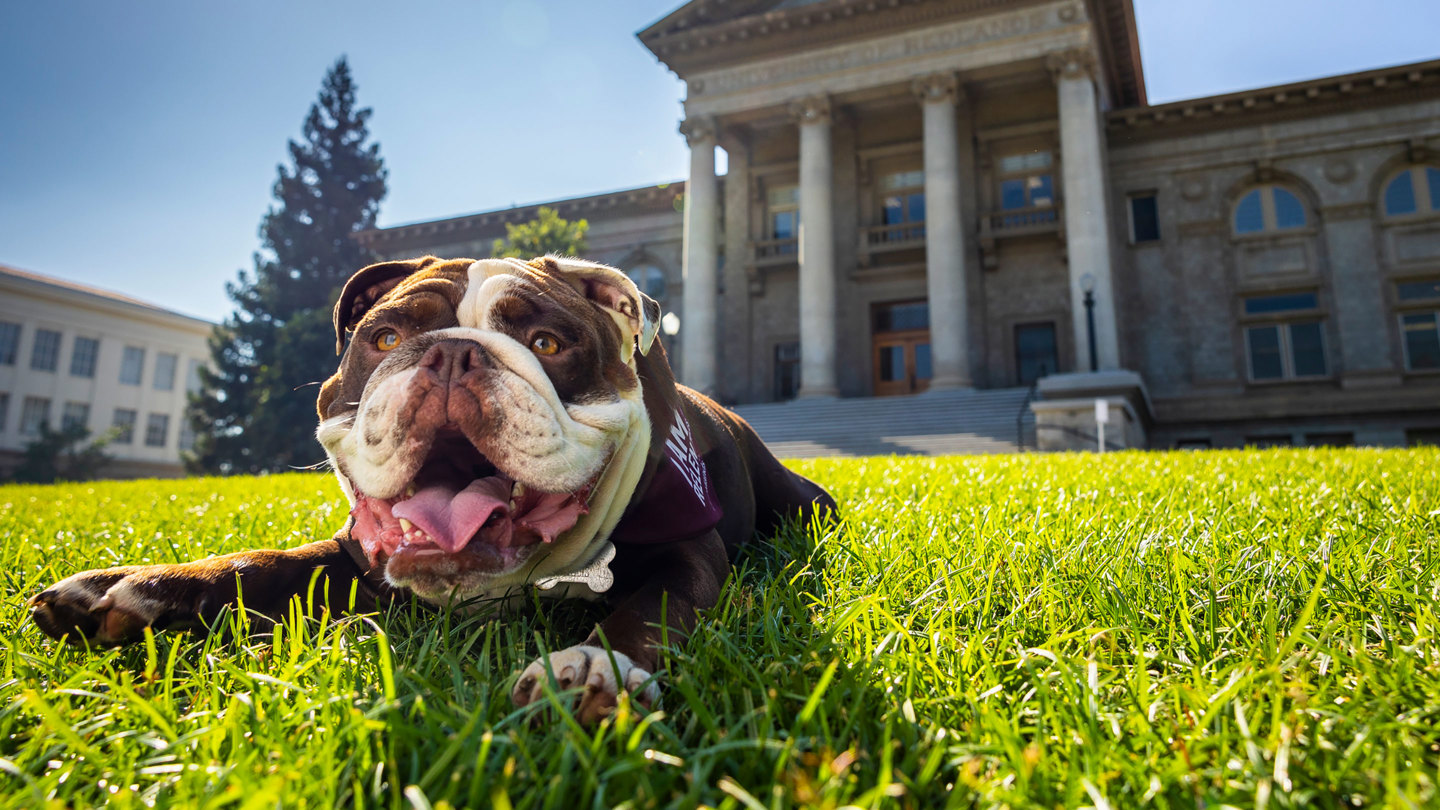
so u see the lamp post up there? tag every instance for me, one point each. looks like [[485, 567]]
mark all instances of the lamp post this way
[[1087, 283], [670, 327], [670, 324]]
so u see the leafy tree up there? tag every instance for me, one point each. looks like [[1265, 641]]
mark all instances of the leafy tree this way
[[63, 455], [255, 412], [546, 233]]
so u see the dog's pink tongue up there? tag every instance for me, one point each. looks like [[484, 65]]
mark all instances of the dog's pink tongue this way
[[451, 517]]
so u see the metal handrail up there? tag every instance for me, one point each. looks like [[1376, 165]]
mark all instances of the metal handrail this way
[[1025, 406]]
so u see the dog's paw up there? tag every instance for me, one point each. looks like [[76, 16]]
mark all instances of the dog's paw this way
[[100, 607], [591, 668]]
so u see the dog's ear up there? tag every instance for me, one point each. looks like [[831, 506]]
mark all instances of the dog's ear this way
[[368, 286], [637, 314]]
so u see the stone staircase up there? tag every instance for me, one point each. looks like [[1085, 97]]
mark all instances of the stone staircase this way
[[930, 424]]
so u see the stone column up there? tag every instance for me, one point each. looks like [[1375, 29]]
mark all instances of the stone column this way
[[817, 249], [698, 316], [1087, 216], [944, 235]]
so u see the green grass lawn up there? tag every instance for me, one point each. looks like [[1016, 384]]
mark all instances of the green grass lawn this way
[[1132, 630]]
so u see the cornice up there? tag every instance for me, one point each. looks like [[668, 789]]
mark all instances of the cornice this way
[[687, 42], [655, 198], [1383, 86], [17, 283], [707, 46]]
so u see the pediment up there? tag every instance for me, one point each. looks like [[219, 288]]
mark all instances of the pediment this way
[[706, 34]]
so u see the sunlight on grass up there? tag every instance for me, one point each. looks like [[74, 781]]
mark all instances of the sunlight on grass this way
[[1156, 629]]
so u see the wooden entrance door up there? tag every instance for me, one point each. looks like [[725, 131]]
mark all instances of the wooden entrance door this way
[[902, 362]]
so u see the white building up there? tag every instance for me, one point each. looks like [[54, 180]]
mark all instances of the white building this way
[[933, 194], [72, 354]]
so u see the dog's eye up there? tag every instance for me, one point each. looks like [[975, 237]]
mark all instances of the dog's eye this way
[[545, 344], [387, 339]]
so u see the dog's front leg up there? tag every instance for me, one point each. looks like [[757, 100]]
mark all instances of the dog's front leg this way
[[656, 586], [115, 605]]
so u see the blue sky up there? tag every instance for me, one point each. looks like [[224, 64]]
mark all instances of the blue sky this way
[[139, 140]]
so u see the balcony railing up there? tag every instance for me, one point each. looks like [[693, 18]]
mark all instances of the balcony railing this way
[[1036, 220], [895, 235], [776, 251], [1017, 221]]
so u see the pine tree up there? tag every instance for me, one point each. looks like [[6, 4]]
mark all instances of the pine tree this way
[[546, 233], [256, 410]]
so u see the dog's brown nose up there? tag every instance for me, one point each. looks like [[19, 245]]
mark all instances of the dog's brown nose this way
[[452, 359]]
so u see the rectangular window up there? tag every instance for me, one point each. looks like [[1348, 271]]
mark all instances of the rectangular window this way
[[1035, 351], [187, 435], [76, 414], [903, 198], [892, 363], [82, 357], [1030, 161], [1033, 188], [132, 365], [1291, 302], [787, 370], [924, 367], [902, 317], [1269, 441], [124, 425], [783, 209], [9, 342], [1418, 290], [1420, 335], [33, 413], [1335, 439], [1307, 349], [4, 410], [1144, 219], [1265, 360], [192, 377], [1286, 351], [157, 426], [165, 371], [46, 354]]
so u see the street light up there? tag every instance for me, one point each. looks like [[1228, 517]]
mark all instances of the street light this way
[[1087, 283], [670, 324]]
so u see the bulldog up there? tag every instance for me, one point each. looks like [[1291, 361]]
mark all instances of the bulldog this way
[[499, 428]]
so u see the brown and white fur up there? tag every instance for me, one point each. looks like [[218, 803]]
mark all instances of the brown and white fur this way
[[544, 380]]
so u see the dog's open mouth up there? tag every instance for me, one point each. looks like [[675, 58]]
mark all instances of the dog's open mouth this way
[[461, 505]]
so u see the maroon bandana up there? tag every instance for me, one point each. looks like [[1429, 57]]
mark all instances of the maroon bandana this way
[[680, 501]]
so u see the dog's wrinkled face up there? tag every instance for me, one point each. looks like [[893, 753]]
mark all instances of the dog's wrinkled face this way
[[486, 416]]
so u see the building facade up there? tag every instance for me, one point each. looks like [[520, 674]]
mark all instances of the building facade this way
[[72, 354], [975, 193]]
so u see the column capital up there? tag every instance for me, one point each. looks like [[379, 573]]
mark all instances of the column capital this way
[[936, 87], [1074, 63], [698, 128], [811, 109]]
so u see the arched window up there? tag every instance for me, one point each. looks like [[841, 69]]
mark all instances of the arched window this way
[[650, 279], [1415, 190], [1268, 208]]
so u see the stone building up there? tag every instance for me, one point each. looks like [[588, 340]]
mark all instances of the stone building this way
[[947, 194], [74, 354]]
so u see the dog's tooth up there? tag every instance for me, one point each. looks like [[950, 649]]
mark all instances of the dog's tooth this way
[[410, 491], [406, 525], [517, 491], [512, 504]]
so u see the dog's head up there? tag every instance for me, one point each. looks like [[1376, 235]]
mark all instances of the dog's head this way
[[488, 419]]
